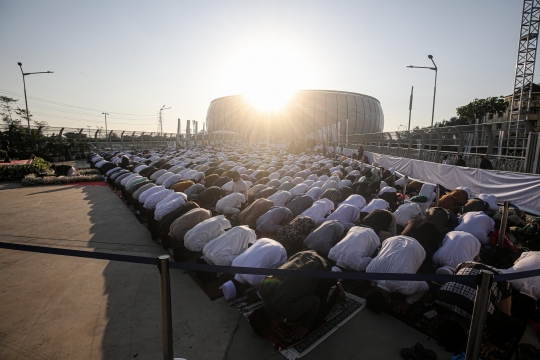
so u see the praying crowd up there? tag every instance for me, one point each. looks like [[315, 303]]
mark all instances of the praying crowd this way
[[260, 206]]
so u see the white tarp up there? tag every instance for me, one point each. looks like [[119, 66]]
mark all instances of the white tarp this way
[[518, 188]]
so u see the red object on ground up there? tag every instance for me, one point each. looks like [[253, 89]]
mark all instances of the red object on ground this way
[[89, 183], [14, 162]]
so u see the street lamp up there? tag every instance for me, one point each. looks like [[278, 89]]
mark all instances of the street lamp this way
[[24, 85], [160, 122], [435, 88]]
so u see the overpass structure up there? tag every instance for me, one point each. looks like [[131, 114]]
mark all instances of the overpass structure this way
[[511, 146]]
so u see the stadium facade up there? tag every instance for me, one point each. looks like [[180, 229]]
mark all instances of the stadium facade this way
[[324, 115]]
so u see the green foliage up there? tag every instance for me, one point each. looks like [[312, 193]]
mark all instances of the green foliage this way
[[479, 108], [33, 180], [88, 172], [17, 172]]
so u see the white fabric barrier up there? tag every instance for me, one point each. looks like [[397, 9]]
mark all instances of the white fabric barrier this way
[[519, 188]]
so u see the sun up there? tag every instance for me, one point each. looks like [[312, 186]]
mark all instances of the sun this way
[[269, 71], [269, 99]]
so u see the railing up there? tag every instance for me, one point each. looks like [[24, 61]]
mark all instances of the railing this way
[[97, 139], [510, 146]]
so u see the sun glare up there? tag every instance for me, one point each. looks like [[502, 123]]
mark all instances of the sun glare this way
[[268, 72], [269, 99]]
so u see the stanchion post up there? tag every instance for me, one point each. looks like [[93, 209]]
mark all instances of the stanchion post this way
[[405, 187], [438, 195], [476, 331], [166, 311], [504, 222]]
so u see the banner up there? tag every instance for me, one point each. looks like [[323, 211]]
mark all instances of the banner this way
[[521, 189]]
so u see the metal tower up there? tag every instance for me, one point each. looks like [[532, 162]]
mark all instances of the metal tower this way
[[520, 106], [526, 57]]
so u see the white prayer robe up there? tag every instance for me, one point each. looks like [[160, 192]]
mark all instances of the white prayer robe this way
[[457, 247], [147, 193], [241, 187], [376, 204], [299, 189], [264, 254], [406, 212], [400, 255], [151, 202], [164, 177], [171, 180], [330, 184], [355, 250], [478, 224], [227, 246], [344, 183], [346, 215], [197, 237], [230, 204], [530, 286], [319, 210], [315, 193], [157, 174], [355, 200], [280, 198], [169, 206], [126, 180]]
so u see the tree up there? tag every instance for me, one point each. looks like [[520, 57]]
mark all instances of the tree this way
[[6, 110], [479, 108]]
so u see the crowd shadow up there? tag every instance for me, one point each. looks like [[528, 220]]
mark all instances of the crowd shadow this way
[[133, 326]]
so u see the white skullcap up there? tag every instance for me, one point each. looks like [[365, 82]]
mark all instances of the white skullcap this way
[[229, 290]]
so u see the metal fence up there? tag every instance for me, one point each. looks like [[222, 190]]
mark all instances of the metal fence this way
[[511, 146], [97, 139]]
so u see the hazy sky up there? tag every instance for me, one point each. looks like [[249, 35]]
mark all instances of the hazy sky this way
[[129, 58]]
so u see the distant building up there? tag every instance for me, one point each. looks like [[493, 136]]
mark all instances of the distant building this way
[[533, 112], [323, 115]]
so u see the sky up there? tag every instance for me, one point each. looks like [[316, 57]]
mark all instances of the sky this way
[[129, 58]]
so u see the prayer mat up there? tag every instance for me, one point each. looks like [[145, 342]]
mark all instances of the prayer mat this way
[[210, 283], [89, 183], [414, 317], [280, 338]]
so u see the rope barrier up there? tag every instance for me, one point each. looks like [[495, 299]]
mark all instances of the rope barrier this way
[[262, 271]]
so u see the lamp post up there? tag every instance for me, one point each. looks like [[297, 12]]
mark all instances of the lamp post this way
[[161, 122], [24, 85], [435, 88]]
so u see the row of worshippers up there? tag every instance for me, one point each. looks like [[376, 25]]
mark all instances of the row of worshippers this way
[[307, 221]]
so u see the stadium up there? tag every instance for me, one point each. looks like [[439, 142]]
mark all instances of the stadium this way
[[325, 115]]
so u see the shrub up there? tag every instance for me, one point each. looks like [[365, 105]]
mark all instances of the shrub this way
[[88, 172], [33, 180], [17, 172]]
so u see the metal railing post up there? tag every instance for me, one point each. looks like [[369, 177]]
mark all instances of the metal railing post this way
[[405, 187], [504, 222], [438, 195], [166, 312], [476, 331]]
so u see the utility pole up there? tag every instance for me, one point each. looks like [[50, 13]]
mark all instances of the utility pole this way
[[178, 130], [105, 121], [24, 85], [410, 107], [161, 120]]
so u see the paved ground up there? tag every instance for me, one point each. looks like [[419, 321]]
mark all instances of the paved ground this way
[[56, 307]]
